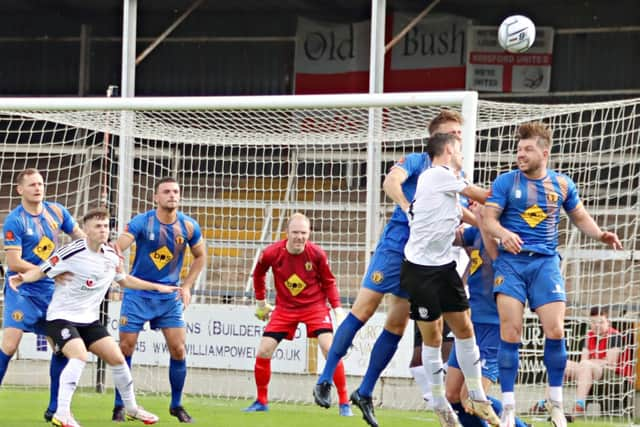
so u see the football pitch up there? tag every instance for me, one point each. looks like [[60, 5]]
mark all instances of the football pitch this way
[[20, 408]]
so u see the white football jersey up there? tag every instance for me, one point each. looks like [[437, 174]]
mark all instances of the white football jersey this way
[[434, 215], [79, 300]]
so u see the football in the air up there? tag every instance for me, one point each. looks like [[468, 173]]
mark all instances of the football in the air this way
[[516, 34]]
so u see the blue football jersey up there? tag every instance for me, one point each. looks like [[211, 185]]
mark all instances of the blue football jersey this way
[[37, 237], [413, 164], [531, 207], [160, 248], [480, 279]]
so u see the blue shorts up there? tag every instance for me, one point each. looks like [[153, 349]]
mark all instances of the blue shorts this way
[[488, 339], [160, 313], [383, 273], [529, 276], [25, 312]]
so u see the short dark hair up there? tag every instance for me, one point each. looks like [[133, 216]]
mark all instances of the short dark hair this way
[[96, 213], [437, 142], [26, 172], [444, 116], [164, 181], [599, 310]]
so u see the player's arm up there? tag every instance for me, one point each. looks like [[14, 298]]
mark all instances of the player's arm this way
[[263, 308], [511, 242], [33, 274], [199, 253], [125, 240], [77, 233], [490, 244], [468, 217], [476, 193], [135, 283], [585, 223], [15, 262], [392, 186]]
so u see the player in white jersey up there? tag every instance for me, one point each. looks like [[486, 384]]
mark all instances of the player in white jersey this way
[[430, 278], [73, 315]]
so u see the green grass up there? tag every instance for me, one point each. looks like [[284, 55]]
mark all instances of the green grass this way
[[20, 408]]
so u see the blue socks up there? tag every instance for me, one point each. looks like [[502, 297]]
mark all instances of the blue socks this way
[[177, 376], [58, 362], [118, 400], [381, 354], [555, 359], [508, 365], [342, 339], [4, 363]]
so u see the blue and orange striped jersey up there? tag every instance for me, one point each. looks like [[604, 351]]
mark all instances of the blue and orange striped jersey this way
[[531, 207], [37, 237], [160, 248]]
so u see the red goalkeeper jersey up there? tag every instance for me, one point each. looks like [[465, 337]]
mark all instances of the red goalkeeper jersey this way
[[301, 281]]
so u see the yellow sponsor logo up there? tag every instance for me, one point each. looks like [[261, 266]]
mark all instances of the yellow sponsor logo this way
[[295, 284], [476, 261], [534, 216], [161, 257], [44, 248]]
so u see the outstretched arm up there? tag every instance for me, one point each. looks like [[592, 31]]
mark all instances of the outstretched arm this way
[[585, 222], [136, 283], [31, 275]]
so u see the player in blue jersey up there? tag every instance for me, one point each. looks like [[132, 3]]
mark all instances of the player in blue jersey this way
[[383, 277], [161, 236], [523, 212], [31, 233], [482, 251]]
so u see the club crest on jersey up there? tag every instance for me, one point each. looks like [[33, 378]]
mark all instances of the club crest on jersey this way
[[124, 320], [54, 260], [65, 334], [9, 235], [179, 240], [308, 266], [499, 280], [377, 277], [17, 315], [552, 197], [423, 312]]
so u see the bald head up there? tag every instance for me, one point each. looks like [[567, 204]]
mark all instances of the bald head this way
[[298, 230]]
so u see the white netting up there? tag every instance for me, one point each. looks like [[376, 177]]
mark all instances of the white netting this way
[[242, 172]]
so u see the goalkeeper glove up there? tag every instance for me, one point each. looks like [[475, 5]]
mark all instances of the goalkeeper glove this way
[[263, 310], [339, 314]]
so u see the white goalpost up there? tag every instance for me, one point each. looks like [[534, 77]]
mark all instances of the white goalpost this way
[[246, 163]]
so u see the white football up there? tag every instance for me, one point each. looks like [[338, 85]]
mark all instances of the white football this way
[[516, 34]]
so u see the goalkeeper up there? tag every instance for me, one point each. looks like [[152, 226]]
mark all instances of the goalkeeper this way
[[303, 284]]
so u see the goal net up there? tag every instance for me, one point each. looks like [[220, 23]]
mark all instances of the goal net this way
[[245, 164]]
